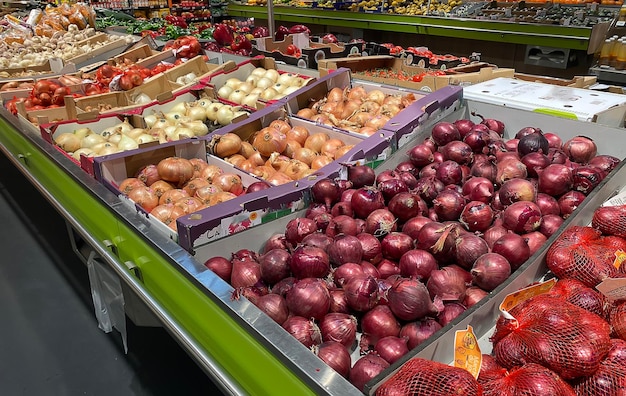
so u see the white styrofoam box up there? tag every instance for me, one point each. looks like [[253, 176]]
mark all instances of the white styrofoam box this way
[[567, 102]]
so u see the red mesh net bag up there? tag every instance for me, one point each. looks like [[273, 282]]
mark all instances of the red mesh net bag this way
[[529, 380], [617, 319], [490, 370], [610, 220], [424, 377], [610, 378], [577, 293], [582, 253], [554, 333]]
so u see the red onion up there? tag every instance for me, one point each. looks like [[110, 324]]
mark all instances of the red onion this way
[[252, 293], [513, 248], [339, 327], [322, 221], [428, 188], [309, 262], [457, 151], [493, 124], [379, 322], [380, 222], [389, 188], [448, 205], [341, 208], [430, 143], [274, 306], [510, 169], [449, 172], [148, 174], [372, 250], [535, 240], [522, 217], [446, 284], [515, 190], [406, 166], [395, 244], [550, 224], [245, 254], [527, 131], [347, 271], [532, 143], [405, 205], [533, 161], [314, 209], [493, 234], [221, 266], [360, 226], [547, 204], [478, 189], [420, 155], [387, 268], [408, 178], [386, 175], [309, 298], [444, 132], [605, 162], [511, 145], [580, 149], [361, 176], [464, 126], [486, 169], [345, 249], [338, 302], [429, 170], [409, 300], [346, 196], [451, 310], [477, 216], [343, 186], [304, 330], [391, 348], [370, 269], [569, 202], [325, 191], [469, 247], [477, 140], [281, 288], [245, 273], [361, 293], [473, 295], [554, 141], [490, 270], [257, 186], [336, 356], [555, 179], [275, 266], [366, 368], [413, 225], [317, 239], [297, 229], [417, 264], [557, 156], [586, 178], [342, 224], [419, 331], [276, 241], [366, 200]]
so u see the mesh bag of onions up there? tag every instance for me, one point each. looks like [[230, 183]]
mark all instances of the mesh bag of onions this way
[[577, 293], [582, 253], [424, 377], [610, 379], [552, 332], [529, 380], [610, 220]]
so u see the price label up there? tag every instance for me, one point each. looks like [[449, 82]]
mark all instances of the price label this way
[[467, 353], [620, 257], [507, 12], [613, 288], [522, 295], [567, 21]]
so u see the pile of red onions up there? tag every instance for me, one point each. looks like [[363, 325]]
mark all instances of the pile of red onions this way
[[408, 250]]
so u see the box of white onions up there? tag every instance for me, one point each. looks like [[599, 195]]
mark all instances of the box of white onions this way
[[291, 181], [193, 71], [155, 181]]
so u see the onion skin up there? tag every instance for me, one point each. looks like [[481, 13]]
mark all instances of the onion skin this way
[[325, 191], [547, 204], [317, 239], [413, 226], [345, 272], [304, 330], [380, 222], [339, 327], [605, 162], [421, 155], [361, 176], [245, 273], [449, 205]]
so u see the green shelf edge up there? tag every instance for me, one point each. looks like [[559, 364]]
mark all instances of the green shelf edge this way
[[505, 32], [250, 363]]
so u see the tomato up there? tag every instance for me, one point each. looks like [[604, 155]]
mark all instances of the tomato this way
[[292, 49], [160, 68], [418, 78]]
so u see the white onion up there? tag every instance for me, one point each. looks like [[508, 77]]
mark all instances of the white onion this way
[[279, 87], [211, 111], [264, 83], [225, 115], [233, 83], [245, 87], [225, 91], [91, 140], [269, 94], [286, 78], [272, 74], [237, 96], [250, 100], [259, 71], [252, 79]]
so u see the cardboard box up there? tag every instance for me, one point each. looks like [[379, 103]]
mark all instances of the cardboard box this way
[[464, 75], [267, 47], [111, 170], [197, 66], [135, 55], [576, 82], [567, 102], [158, 88], [101, 53], [49, 67], [106, 103], [32, 119]]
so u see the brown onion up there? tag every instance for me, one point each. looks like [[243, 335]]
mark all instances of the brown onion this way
[[269, 140]]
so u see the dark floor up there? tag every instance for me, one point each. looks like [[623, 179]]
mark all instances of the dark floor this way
[[50, 343]]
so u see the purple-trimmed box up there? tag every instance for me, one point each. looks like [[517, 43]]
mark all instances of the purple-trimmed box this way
[[342, 78], [112, 169], [425, 111]]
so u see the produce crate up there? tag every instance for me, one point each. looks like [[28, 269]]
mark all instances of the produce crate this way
[[136, 54], [32, 119], [566, 102], [471, 74], [278, 200], [439, 347], [158, 88], [277, 50], [318, 51], [198, 67], [50, 67], [342, 79], [99, 54], [575, 82], [111, 170]]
